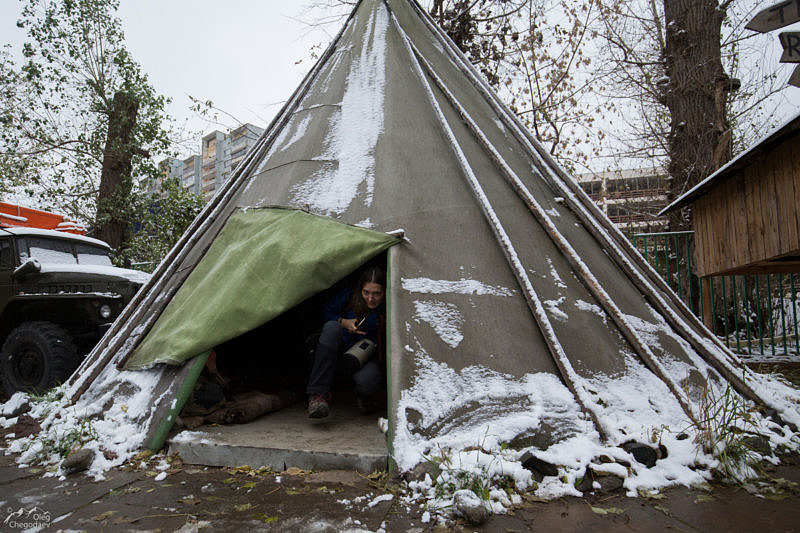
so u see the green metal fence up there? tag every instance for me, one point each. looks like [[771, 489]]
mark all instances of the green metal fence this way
[[756, 316]]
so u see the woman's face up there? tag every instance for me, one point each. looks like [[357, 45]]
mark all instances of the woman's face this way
[[373, 294]]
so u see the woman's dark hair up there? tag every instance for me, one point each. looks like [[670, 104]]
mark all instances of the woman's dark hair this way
[[373, 274]]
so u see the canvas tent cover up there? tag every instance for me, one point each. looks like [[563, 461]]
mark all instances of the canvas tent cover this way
[[263, 262], [515, 310]]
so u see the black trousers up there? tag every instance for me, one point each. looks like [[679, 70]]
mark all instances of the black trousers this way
[[328, 362]]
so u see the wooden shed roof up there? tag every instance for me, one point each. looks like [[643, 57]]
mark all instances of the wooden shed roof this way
[[790, 127]]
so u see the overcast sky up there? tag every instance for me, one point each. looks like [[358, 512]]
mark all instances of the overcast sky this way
[[240, 54], [246, 56]]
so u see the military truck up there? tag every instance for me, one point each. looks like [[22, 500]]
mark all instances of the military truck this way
[[58, 294]]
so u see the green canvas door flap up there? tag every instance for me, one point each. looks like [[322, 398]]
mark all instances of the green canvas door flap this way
[[263, 262]]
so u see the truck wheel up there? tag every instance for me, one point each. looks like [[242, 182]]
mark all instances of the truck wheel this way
[[36, 356]]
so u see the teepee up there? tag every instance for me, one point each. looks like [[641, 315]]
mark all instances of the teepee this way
[[516, 310]]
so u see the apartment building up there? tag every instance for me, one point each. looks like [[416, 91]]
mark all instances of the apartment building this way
[[630, 198], [238, 143], [213, 163], [220, 155]]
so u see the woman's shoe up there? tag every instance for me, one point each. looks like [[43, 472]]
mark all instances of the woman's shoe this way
[[318, 406]]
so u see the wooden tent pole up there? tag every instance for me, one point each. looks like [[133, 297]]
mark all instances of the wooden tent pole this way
[[586, 276], [604, 231], [570, 377]]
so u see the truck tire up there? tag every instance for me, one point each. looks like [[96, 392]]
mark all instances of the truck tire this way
[[37, 356]]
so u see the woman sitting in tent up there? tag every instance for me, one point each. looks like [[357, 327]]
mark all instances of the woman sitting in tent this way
[[351, 340]]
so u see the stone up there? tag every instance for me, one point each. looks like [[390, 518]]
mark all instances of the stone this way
[[78, 461], [682, 436], [609, 482], [418, 472], [539, 468], [661, 452], [586, 483], [16, 405], [757, 443], [468, 505], [26, 426], [642, 453]]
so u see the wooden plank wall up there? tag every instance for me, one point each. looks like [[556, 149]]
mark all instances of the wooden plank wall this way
[[752, 217]]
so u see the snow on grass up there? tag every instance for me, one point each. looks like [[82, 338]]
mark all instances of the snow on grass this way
[[354, 129], [112, 422], [461, 286], [444, 318]]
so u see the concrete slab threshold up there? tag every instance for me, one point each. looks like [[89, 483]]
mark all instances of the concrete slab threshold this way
[[343, 441]]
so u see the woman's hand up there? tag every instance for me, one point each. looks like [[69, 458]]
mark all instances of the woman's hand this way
[[351, 325]]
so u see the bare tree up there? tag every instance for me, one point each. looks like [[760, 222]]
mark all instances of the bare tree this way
[[674, 69]]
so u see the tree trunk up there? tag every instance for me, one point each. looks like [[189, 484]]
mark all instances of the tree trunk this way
[[115, 178], [696, 96]]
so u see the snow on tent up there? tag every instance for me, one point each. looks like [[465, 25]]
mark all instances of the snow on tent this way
[[519, 318]]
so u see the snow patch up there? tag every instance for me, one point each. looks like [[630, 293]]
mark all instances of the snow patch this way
[[554, 273], [131, 275], [462, 286], [555, 310], [444, 318], [354, 130]]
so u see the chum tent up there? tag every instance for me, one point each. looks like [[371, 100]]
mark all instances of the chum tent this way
[[515, 308]]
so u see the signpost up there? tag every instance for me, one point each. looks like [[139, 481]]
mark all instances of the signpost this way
[[774, 17], [777, 16], [790, 41]]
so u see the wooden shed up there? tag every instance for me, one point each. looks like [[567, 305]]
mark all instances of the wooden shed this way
[[747, 214]]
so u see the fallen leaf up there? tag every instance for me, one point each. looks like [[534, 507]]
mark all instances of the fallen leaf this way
[[775, 497], [124, 408], [243, 507], [704, 498], [229, 480], [104, 516], [294, 471], [533, 498], [264, 517], [249, 485], [189, 500], [609, 510], [142, 455], [109, 454], [663, 509]]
